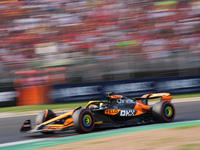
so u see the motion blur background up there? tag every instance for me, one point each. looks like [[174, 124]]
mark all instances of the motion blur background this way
[[97, 40]]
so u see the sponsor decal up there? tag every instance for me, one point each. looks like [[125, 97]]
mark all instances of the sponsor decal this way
[[53, 128], [98, 122], [130, 87], [7, 96], [178, 84], [119, 101], [112, 111], [129, 112], [77, 91]]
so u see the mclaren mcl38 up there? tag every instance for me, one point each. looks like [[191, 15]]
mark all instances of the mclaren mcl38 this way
[[116, 111]]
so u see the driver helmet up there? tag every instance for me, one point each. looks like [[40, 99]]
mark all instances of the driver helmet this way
[[103, 105]]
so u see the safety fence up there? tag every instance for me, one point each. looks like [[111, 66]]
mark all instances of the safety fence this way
[[114, 67], [63, 93]]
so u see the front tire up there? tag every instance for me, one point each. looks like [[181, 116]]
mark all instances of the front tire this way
[[83, 120], [44, 116], [163, 111]]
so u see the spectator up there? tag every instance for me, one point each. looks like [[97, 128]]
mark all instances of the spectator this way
[[101, 29]]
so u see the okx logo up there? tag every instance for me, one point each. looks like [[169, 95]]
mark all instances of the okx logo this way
[[129, 112]]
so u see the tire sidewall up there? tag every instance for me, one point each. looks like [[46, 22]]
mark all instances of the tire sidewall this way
[[78, 118], [158, 112], [40, 118], [44, 116], [171, 118]]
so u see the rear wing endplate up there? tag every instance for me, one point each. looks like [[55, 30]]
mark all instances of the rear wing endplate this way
[[163, 96]]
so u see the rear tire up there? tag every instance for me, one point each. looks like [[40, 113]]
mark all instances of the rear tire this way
[[83, 120], [44, 116], [163, 111]]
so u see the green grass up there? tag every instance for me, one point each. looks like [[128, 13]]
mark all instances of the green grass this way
[[186, 95], [68, 106], [195, 146], [186, 127]]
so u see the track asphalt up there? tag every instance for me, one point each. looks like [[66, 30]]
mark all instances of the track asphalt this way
[[81, 137], [26, 113], [9, 129]]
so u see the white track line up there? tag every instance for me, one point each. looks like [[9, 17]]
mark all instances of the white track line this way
[[21, 142], [9, 115], [36, 140]]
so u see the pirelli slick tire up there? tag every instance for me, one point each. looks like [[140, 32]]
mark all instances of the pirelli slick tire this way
[[163, 111], [83, 120], [44, 116]]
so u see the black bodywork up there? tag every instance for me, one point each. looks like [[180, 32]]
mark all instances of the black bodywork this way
[[117, 120]]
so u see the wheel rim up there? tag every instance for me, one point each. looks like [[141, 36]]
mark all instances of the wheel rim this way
[[87, 121], [168, 111]]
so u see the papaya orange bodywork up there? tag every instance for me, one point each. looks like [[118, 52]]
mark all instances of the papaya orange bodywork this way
[[141, 108], [46, 113], [68, 123], [90, 102], [116, 96], [156, 95], [166, 98], [57, 118]]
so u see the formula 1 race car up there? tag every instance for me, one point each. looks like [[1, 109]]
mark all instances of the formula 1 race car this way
[[116, 111]]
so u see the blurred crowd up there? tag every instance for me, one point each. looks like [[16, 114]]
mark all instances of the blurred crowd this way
[[46, 33]]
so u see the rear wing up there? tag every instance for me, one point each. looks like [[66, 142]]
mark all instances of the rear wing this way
[[163, 96]]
